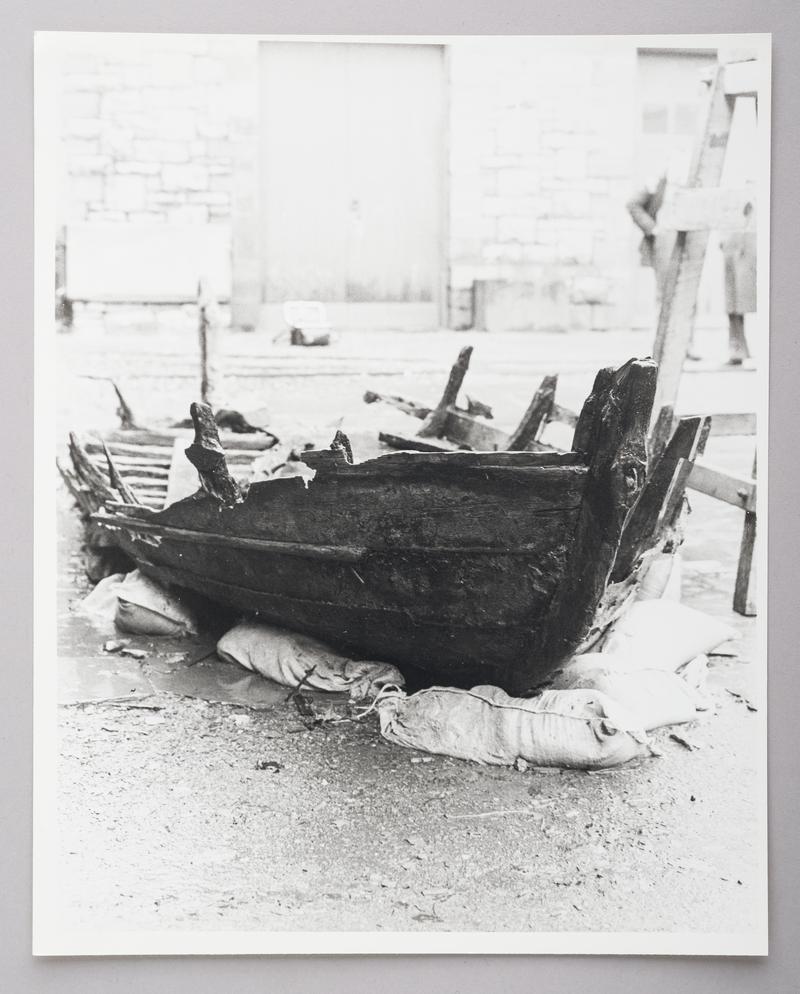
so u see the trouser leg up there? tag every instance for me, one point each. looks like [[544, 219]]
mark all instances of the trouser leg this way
[[737, 343]]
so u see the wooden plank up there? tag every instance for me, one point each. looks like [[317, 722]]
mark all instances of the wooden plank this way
[[679, 301], [733, 424], [723, 486], [406, 406], [434, 425], [474, 433], [563, 416], [741, 78], [465, 654], [451, 463], [413, 506], [536, 416], [660, 434], [670, 471], [702, 208], [164, 437], [414, 444]]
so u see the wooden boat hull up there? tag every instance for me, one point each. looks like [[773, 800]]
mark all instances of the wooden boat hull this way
[[455, 563], [474, 567]]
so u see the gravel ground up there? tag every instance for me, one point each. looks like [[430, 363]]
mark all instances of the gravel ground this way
[[184, 813]]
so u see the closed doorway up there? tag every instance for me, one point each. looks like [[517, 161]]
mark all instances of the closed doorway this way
[[351, 170]]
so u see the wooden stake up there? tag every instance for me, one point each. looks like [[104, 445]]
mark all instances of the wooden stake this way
[[209, 324], [744, 596], [126, 419], [535, 418], [434, 425]]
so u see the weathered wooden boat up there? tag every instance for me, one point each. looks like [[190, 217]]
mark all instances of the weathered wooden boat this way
[[472, 566]]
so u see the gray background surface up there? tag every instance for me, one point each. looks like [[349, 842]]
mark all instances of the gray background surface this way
[[19, 972]]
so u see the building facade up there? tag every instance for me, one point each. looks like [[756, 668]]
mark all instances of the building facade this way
[[474, 184]]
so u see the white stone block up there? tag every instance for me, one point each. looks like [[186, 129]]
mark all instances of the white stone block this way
[[138, 168], [116, 102], [84, 127], [84, 105], [589, 290], [516, 228], [125, 193], [187, 214], [516, 182], [79, 164], [162, 151]]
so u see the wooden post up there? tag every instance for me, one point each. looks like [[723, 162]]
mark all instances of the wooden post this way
[[679, 301], [434, 425], [124, 412], [208, 458], [208, 328], [744, 600], [536, 416]]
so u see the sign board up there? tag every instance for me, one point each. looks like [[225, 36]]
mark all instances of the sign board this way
[[704, 208], [147, 263]]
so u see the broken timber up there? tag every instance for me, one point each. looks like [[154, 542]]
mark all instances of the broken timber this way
[[447, 426]]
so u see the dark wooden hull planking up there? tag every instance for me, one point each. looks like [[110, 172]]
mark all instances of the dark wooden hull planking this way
[[474, 567]]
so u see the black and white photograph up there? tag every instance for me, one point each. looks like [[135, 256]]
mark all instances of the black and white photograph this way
[[400, 478]]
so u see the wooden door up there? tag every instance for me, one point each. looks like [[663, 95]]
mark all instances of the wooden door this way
[[351, 168]]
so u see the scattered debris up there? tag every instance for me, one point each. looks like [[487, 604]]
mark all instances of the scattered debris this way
[[133, 653], [742, 699], [494, 814], [269, 764], [114, 645], [686, 743]]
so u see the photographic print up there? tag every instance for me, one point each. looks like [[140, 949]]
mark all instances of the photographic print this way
[[399, 514]]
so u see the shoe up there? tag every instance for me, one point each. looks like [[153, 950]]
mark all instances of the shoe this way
[[735, 360], [693, 357]]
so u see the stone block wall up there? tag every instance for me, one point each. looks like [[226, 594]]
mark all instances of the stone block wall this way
[[146, 130], [541, 161], [541, 164]]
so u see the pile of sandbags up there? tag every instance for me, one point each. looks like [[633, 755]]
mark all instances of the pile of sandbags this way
[[650, 672]]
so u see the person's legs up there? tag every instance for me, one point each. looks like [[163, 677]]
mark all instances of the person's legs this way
[[737, 343]]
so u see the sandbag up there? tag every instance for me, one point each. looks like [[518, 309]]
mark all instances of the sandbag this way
[[569, 728], [100, 604], [663, 578], [655, 697], [665, 634], [144, 607], [291, 659]]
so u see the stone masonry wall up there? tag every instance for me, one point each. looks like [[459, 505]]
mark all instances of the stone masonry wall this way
[[541, 160], [146, 131], [541, 165]]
